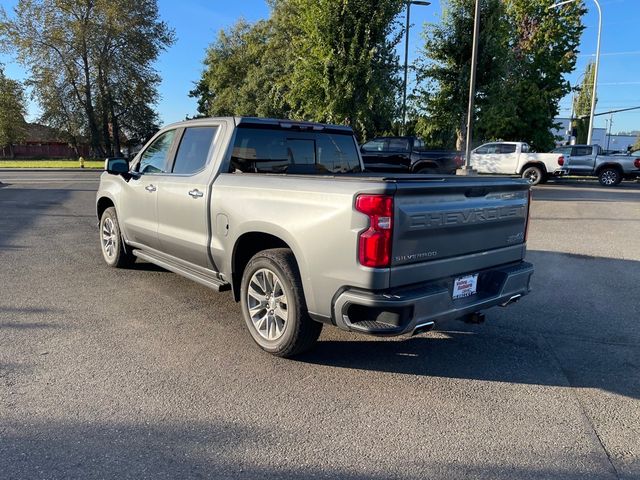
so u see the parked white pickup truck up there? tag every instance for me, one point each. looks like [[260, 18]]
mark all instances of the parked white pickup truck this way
[[514, 158]]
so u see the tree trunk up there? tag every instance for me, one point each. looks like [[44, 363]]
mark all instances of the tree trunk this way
[[94, 134], [104, 103], [461, 135]]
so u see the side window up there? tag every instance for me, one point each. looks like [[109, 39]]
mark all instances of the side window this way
[[418, 144], [154, 158], [525, 148], [492, 148], [398, 145], [582, 151], [562, 150], [194, 149], [374, 146], [482, 150], [507, 148]]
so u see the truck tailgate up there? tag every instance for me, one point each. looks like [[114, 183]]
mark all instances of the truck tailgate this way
[[454, 225]]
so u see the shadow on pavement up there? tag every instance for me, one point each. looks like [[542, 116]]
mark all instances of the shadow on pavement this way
[[568, 332], [95, 449]]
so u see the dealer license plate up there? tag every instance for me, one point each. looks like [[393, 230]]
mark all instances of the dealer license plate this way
[[465, 286]]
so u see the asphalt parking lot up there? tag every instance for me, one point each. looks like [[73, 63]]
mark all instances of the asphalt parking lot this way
[[143, 374]]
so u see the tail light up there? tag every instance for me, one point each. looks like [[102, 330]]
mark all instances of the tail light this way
[[561, 160], [636, 163], [458, 160], [374, 244], [526, 225]]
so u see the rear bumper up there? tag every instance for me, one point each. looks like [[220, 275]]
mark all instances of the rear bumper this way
[[402, 311]]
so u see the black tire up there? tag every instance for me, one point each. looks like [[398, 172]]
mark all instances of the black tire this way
[[427, 171], [534, 174], [609, 177], [114, 251], [299, 332]]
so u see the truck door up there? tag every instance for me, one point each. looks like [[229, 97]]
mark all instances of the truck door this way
[[582, 160], [507, 158], [484, 158], [183, 203], [138, 209]]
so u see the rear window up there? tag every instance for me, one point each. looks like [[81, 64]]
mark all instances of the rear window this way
[[258, 150], [507, 148]]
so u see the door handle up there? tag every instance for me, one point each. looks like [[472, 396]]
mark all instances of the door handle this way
[[150, 188], [196, 193]]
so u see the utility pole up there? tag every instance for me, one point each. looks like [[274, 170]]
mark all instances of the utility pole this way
[[467, 169]]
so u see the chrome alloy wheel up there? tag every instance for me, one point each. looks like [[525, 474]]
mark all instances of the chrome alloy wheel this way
[[109, 238], [532, 175], [609, 177], [267, 304]]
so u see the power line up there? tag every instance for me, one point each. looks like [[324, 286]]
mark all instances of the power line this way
[[610, 111]]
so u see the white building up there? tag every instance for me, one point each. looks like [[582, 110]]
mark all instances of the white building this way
[[600, 137]]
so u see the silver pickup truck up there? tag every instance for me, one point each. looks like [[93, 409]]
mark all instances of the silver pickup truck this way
[[588, 160], [281, 213]]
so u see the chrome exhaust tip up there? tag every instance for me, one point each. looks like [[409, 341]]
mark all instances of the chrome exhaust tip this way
[[423, 328], [513, 299]]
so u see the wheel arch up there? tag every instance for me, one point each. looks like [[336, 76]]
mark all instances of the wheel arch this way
[[425, 164], [616, 166], [102, 204], [245, 247], [540, 165]]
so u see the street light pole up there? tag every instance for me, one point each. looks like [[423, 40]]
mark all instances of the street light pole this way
[[467, 169], [406, 61], [595, 71], [595, 76]]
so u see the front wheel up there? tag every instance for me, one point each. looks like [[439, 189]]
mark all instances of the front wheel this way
[[609, 177], [273, 304], [114, 251], [534, 175]]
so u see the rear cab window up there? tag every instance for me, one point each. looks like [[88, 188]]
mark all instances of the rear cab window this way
[[270, 150]]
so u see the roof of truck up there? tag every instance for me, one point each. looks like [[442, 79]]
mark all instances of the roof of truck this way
[[265, 122]]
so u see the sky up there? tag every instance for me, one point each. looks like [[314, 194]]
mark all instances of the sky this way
[[197, 22]]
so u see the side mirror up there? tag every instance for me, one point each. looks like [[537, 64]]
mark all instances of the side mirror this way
[[116, 166]]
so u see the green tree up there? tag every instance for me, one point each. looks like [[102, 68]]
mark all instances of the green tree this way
[[327, 61], [524, 52], [441, 99], [12, 112], [245, 74], [636, 145], [543, 48], [582, 104], [93, 57], [345, 68]]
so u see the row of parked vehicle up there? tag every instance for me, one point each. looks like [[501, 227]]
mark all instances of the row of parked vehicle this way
[[410, 155]]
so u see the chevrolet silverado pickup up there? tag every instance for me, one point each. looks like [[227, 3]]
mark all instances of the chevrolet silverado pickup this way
[[281, 213], [588, 160]]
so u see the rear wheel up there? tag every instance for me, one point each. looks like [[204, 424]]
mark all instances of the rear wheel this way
[[609, 176], [273, 304], [533, 174], [427, 171], [114, 251]]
